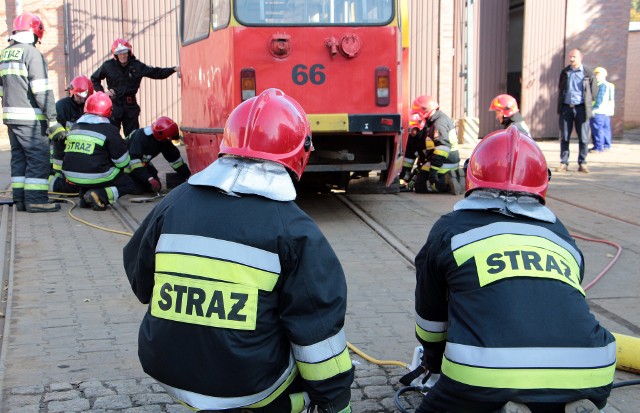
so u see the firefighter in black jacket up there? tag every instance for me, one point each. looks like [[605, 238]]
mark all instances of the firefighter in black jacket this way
[[500, 311], [145, 144], [28, 106], [440, 171], [246, 297], [68, 110], [124, 73], [94, 157], [507, 113]]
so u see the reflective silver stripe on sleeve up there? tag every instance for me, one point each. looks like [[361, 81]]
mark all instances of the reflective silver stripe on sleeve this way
[[40, 85], [219, 249], [23, 111], [121, 159], [431, 326], [499, 228], [85, 132], [79, 175], [323, 350], [532, 357]]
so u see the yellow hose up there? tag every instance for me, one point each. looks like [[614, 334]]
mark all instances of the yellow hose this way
[[627, 353], [375, 361]]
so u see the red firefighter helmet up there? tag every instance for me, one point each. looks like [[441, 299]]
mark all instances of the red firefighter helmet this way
[[425, 105], [415, 121], [506, 104], [28, 22], [508, 160], [164, 128], [270, 126], [81, 86], [121, 46], [98, 104]]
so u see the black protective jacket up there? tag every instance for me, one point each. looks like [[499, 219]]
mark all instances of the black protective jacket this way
[[68, 111], [518, 121], [442, 131], [143, 147], [125, 80], [501, 314], [94, 153], [243, 292]]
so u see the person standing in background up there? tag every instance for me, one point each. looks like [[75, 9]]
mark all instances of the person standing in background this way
[[577, 87], [603, 108], [124, 74]]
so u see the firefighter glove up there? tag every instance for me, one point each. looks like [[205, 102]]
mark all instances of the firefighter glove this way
[[433, 177], [56, 132], [155, 184]]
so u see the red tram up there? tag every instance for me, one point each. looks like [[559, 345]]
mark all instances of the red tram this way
[[343, 60]]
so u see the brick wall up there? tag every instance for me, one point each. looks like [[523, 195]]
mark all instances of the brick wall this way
[[52, 46], [600, 29]]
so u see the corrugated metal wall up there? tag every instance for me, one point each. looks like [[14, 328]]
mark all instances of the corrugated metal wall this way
[[491, 27], [423, 52], [150, 26], [489, 72], [543, 59]]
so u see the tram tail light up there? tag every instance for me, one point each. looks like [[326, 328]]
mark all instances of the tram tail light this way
[[247, 83], [382, 86]]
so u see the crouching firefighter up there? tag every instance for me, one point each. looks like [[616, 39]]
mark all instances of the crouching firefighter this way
[[94, 157], [246, 297], [440, 172], [500, 311], [145, 144]]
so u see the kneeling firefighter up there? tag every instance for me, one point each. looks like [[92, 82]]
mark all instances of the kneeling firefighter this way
[[94, 157], [440, 172], [500, 311], [246, 297]]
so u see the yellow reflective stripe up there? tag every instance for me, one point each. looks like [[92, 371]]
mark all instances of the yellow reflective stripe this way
[[36, 187], [511, 255], [23, 116], [15, 71], [526, 261], [17, 185], [441, 152], [206, 303], [135, 164], [84, 139], [216, 269], [346, 409], [430, 337], [528, 378], [297, 402], [326, 369]]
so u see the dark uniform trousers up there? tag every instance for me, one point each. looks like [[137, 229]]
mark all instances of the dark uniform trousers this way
[[30, 165], [125, 112], [570, 116], [122, 182]]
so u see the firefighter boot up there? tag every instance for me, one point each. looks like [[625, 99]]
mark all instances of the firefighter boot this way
[[513, 407], [581, 406], [20, 205], [45, 207], [452, 182], [92, 198]]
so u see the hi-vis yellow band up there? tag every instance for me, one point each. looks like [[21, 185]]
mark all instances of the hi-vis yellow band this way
[[216, 269], [326, 369], [529, 378], [510, 255], [207, 303]]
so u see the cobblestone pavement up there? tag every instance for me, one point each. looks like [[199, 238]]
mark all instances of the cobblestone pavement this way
[[70, 341]]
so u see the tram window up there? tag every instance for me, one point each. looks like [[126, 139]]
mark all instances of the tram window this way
[[314, 12], [196, 15], [220, 15]]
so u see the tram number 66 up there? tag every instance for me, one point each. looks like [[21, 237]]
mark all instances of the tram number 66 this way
[[315, 75]]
